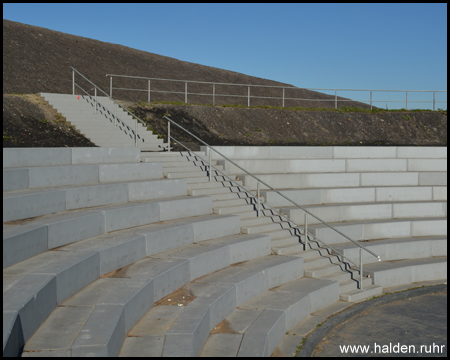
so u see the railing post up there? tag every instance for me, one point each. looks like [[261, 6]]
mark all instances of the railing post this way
[[135, 133], [185, 92], [73, 82], [95, 111], [283, 97], [115, 115], [168, 136], [214, 94], [434, 101], [306, 231], [110, 86], [149, 91], [257, 196], [371, 100], [248, 97], [406, 100], [210, 153], [335, 99], [360, 269]]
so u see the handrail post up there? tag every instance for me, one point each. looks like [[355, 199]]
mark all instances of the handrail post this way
[[335, 99], [214, 94], [283, 97], [168, 136], [95, 111], [115, 115], [248, 97], [258, 197], [360, 269], [73, 82], [135, 134], [306, 231], [149, 91], [210, 153], [434, 101], [185, 92], [406, 100], [371, 100], [110, 86]]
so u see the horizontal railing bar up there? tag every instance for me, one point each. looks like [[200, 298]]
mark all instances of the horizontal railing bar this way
[[271, 86]]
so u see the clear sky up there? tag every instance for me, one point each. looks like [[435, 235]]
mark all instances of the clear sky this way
[[345, 46]]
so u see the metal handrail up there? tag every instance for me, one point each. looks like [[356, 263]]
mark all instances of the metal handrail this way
[[282, 195], [336, 100], [110, 98]]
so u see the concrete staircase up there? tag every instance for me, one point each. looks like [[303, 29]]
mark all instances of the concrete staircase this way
[[107, 127], [104, 245]]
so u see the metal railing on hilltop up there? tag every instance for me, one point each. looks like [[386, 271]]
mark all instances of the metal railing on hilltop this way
[[283, 98], [256, 196]]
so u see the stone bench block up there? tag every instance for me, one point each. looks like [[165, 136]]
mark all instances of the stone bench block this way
[[440, 193], [429, 227], [361, 165], [390, 179], [96, 195], [177, 208], [15, 179], [427, 164], [51, 176], [156, 189], [426, 209], [364, 152], [422, 152], [407, 193], [127, 172], [105, 155], [433, 178], [24, 157]]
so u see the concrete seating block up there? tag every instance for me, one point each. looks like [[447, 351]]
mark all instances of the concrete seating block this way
[[62, 175], [125, 216], [22, 206], [25, 157], [329, 236], [407, 193], [97, 195], [20, 243], [306, 197], [81, 155], [429, 227], [13, 340], [347, 195], [124, 172], [422, 152], [179, 208], [361, 165], [33, 298], [385, 230], [438, 247], [263, 336], [94, 339], [314, 165], [390, 179], [15, 179], [427, 164], [364, 152], [426, 209], [433, 178], [246, 248], [216, 227], [440, 193], [156, 189], [430, 270]]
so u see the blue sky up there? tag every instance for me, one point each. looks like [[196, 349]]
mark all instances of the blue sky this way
[[346, 46]]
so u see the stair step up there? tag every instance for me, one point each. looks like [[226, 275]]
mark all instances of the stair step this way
[[358, 295]]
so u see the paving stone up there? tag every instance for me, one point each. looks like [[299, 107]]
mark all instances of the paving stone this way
[[149, 346], [157, 321], [222, 345]]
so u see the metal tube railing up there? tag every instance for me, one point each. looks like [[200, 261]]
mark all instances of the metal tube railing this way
[[274, 210], [291, 201], [283, 98]]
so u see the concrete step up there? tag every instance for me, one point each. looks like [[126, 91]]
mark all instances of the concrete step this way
[[23, 204], [259, 325], [358, 295], [24, 240], [210, 190], [272, 226], [233, 209], [212, 184], [192, 174]]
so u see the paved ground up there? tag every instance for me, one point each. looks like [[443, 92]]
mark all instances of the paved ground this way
[[416, 321]]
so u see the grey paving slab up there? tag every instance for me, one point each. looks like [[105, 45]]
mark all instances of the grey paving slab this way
[[67, 320], [104, 329], [222, 345], [149, 346], [157, 321], [238, 321]]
